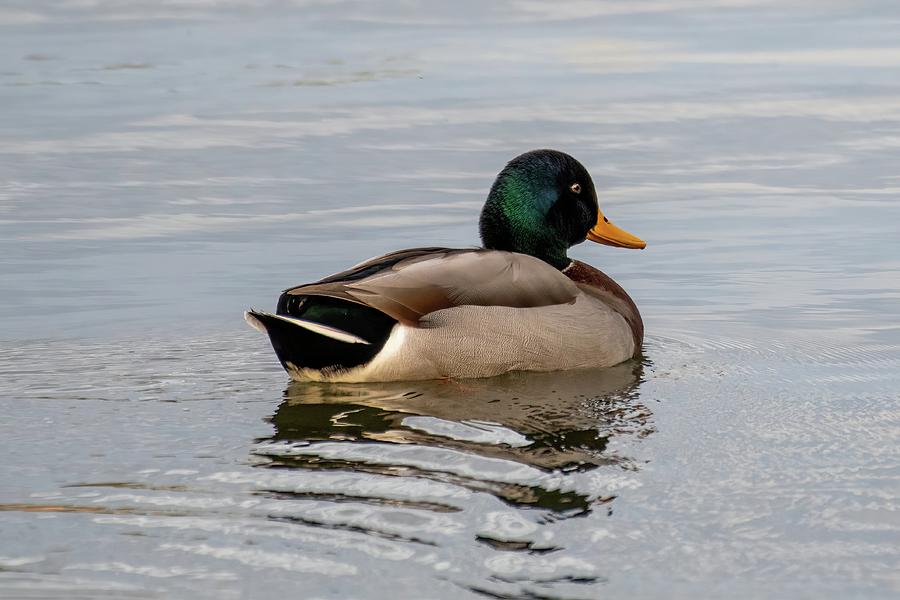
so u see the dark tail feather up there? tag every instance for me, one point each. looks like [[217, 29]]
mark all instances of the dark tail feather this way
[[309, 345]]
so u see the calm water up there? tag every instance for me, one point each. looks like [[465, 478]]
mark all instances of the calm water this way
[[165, 165]]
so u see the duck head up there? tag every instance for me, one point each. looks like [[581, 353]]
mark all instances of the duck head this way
[[544, 202]]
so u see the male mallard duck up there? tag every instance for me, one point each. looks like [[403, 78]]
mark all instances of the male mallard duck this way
[[518, 304]]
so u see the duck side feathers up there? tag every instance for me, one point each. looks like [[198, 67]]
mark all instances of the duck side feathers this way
[[483, 341]]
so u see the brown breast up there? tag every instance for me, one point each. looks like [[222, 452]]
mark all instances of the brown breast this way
[[600, 285]]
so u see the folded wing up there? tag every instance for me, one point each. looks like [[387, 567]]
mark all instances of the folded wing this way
[[410, 284]]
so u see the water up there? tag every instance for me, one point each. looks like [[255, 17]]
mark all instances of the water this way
[[164, 166]]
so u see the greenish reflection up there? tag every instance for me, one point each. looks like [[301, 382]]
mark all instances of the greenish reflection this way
[[550, 421]]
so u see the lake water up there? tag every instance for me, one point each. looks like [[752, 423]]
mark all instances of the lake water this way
[[164, 165]]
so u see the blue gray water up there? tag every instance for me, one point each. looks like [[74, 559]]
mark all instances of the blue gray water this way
[[164, 165]]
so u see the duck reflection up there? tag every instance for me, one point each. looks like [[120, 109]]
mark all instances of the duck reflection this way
[[553, 422], [546, 420]]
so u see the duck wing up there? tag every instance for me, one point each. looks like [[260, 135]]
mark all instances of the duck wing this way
[[409, 284]]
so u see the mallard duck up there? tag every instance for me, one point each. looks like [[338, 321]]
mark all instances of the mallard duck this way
[[519, 303]]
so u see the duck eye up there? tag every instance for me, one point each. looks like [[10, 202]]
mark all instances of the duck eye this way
[[576, 188]]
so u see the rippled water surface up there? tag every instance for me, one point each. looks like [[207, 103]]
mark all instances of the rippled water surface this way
[[164, 165]]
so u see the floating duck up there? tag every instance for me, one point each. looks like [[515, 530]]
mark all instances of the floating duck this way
[[517, 304]]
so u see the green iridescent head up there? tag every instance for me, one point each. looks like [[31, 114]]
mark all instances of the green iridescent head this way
[[541, 203], [544, 202]]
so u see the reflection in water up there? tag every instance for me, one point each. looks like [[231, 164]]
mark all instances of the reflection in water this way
[[554, 423]]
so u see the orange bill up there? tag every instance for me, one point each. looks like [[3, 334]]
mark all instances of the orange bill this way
[[604, 232]]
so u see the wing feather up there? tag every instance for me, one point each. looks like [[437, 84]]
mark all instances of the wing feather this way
[[410, 284]]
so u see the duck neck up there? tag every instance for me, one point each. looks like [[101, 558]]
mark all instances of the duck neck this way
[[514, 219]]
